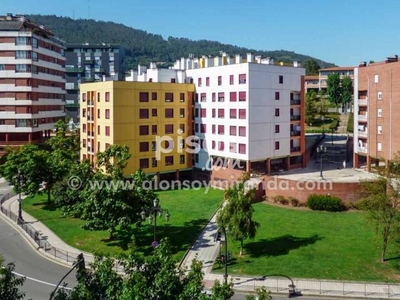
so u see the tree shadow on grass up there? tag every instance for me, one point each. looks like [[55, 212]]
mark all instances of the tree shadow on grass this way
[[277, 246], [180, 237], [46, 206]]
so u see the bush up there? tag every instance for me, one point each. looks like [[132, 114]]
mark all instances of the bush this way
[[284, 201], [325, 202], [294, 201], [315, 130], [334, 125], [280, 199], [350, 124]]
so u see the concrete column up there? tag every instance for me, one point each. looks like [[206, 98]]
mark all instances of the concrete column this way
[[368, 163], [287, 163], [355, 161], [6, 137], [177, 175], [268, 166], [248, 166], [30, 137]]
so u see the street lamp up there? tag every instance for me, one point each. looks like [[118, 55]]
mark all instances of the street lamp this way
[[321, 149], [152, 213], [20, 179]]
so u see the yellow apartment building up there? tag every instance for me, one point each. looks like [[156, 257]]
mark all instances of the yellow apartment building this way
[[139, 115]]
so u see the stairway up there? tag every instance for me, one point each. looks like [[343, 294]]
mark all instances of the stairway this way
[[344, 119]]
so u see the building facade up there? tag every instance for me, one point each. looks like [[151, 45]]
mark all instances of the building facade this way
[[89, 63], [153, 119], [377, 107], [32, 84], [319, 82]]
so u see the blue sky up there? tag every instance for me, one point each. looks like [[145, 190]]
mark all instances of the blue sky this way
[[344, 32]]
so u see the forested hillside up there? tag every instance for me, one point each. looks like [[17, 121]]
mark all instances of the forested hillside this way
[[142, 47]]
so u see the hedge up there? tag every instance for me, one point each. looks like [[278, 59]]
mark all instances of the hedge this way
[[325, 202], [334, 125], [350, 124]]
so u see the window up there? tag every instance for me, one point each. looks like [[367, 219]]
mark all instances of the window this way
[[107, 97], [84, 128], [21, 41], [242, 78], [207, 81], [182, 127], [203, 113], [182, 97], [182, 159], [221, 129], [21, 68], [231, 79], [144, 146], [154, 112], [276, 145], [203, 128], [84, 97], [107, 130], [169, 160], [169, 97], [280, 79], [376, 78], [98, 97], [213, 129], [232, 97], [143, 97], [277, 95], [242, 148], [219, 80], [153, 146], [154, 162], [143, 113], [154, 129], [182, 112], [196, 97], [107, 146], [232, 147], [144, 163], [153, 96], [221, 146], [34, 43], [232, 130], [169, 113], [276, 112], [232, 113], [380, 95], [144, 130], [221, 97], [2, 67], [196, 112], [203, 97], [98, 129], [213, 113], [169, 128], [199, 82], [84, 143], [84, 113], [242, 131], [242, 114], [196, 127], [107, 114], [242, 96], [379, 112], [379, 129], [379, 146], [213, 145], [172, 80], [98, 113], [213, 97], [221, 113], [276, 128]]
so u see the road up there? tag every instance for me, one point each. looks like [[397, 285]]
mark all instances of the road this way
[[239, 296], [42, 274]]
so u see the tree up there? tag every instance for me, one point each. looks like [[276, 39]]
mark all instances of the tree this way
[[347, 90], [236, 216], [334, 90], [262, 294], [310, 109], [312, 67], [10, 283]]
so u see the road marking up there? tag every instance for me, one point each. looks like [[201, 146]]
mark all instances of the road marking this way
[[41, 281]]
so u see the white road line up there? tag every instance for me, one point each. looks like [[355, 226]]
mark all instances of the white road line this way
[[41, 281]]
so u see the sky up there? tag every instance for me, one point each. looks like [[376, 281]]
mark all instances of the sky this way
[[343, 32]]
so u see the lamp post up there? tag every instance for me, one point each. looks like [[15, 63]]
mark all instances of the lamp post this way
[[321, 149], [20, 183], [152, 213]]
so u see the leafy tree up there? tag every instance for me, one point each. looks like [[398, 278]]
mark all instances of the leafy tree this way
[[310, 107], [347, 90], [10, 283], [236, 216], [222, 291], [312, 67], [262, 294], [334, 90]]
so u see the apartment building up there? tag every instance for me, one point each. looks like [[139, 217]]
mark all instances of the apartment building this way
[[248, 112], [145, 116], [32, 84], [89, 63], [376, 94], [319, 82]]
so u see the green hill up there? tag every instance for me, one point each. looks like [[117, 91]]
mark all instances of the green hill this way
[[142, 47]]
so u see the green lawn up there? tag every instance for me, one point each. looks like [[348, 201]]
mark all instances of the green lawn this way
[[190, 210], [310, 244]]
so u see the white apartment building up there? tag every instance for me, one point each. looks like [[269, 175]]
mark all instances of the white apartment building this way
[[248, 112]]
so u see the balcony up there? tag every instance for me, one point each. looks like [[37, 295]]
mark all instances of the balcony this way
[[295, 149], [74, 70], [363, 102], [362, 117], [363, 149], [362, 133], [88, 79], [295, 102], [71, 86], [295, 118], [71, 103], [295, 133]]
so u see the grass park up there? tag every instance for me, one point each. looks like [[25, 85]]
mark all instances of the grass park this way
[[295, 242]]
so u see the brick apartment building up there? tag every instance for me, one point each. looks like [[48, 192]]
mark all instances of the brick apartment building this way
[[376, 112], [32, 84]]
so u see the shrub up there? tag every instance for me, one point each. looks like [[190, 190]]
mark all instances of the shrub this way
[[294, 201], [283, 201], [278, 199], [325, 202], [350, 124], [334, 125]]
